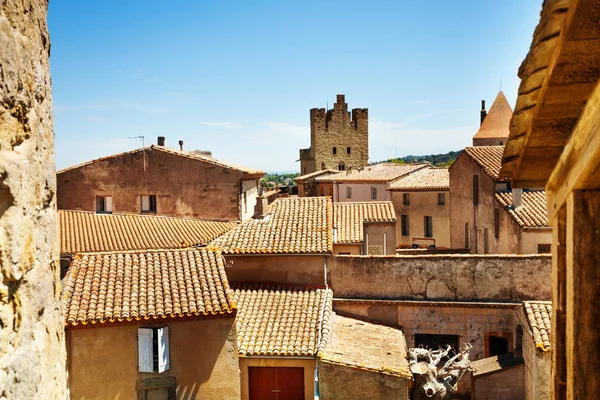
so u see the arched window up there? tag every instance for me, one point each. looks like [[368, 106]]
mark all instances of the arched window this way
[[341, 166]]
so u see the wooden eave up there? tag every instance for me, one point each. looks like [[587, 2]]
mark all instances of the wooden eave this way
[[557, 77]]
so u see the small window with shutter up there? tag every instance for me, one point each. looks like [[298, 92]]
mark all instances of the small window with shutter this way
[[148, 203], [104, 204], [153, 349]]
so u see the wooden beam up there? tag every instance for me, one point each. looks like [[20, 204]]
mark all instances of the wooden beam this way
[[578, 166], [559, 306]]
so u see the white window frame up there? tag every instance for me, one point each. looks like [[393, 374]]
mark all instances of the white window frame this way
[[107, 204], [145, 350], [147, 207]]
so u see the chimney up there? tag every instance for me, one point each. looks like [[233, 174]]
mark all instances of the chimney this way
[[517, 195], [261, 208], [483, 112], [161, 141], [181, 145]]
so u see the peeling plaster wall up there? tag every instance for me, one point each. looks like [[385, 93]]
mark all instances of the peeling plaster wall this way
[[32, 348], [442, 277]]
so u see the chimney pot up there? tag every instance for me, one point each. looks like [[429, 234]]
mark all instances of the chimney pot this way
[[161, 141], [181, 145]]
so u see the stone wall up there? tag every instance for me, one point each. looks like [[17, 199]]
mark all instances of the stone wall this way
[[442, 277], [501, 385], [345, 383], [32, 349], [340, 129]]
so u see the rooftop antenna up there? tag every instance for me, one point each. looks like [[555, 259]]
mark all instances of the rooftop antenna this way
[[143, 148], [500, 83]]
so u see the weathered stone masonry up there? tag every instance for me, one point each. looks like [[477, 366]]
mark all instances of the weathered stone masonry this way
[[32, 349]]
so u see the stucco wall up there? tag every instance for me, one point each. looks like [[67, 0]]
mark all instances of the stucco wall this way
[[360, 191], [531, 238], [353, 249], [103, 361], [292, 269], [309, 366], [480, 218], [380, 238], [345, 383], [438, 277], [183, 186], [248, 198], [423, 204], [501, 385], [32, 347]]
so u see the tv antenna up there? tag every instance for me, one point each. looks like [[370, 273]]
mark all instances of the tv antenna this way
[[143, 148]]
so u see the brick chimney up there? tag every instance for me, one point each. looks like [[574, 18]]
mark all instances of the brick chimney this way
[[483, 112], [161, 141], [261, 208]]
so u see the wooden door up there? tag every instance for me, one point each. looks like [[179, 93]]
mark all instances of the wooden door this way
[[276, 383]]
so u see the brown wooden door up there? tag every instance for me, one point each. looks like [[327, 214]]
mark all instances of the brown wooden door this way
[[276, 383]]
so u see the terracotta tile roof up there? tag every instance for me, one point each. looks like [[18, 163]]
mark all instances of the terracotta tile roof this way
[[194, 156], [367, 346], [426, 179], [281, 320], [112, 287], [496, 123], [539, 316], [349, 218], [384, 172], [83, 231], [487, 157], [302, 178], [532, 213], [298, 225]]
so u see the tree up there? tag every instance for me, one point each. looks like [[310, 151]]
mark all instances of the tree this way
[[431, 383]]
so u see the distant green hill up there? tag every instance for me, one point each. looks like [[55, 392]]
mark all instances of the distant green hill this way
[[440, 160]]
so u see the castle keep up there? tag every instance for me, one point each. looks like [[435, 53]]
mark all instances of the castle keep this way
[[338, 140]]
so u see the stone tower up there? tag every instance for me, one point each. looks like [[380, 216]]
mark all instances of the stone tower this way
[[338, 140]]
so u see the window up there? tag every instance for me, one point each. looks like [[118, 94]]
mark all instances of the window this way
[[475, 190], [405, 199], [428, 226], [497, 222], [349, 192], [341, 166], [104, 204], [153, 349], [348, 150], [544, 248], [373, 193], [441, 199], [486, 247], [497, 345], [334, 150], [245, 202], [404, 225], [148, 203]]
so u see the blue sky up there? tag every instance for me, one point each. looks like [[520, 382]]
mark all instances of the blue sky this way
[[238, 78]]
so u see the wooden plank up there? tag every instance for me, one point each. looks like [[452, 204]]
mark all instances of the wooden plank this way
[[551, 132], [559, 305], [578, 165]]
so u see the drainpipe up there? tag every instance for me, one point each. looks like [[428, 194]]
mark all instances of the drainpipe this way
[[321, 327]]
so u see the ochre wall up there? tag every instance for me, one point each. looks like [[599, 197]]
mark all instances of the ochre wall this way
[[501, 385], [531, 238], [183, 186], [309, 366], [360, 191], [422, 204], [336, 128], [439, 277], [345, 383], [103, 361], [462, 211], [353, 249], [32, 342], [291, 269], [375, 238]]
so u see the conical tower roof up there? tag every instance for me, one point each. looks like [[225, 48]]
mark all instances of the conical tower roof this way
[[496, 123]]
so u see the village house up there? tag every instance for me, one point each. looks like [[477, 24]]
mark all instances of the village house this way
[[364, 228], [162, 181], [365, 184], [487, 216], [422, 205], [493, 130], [307, 184], [554, 143], [338, 140]]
